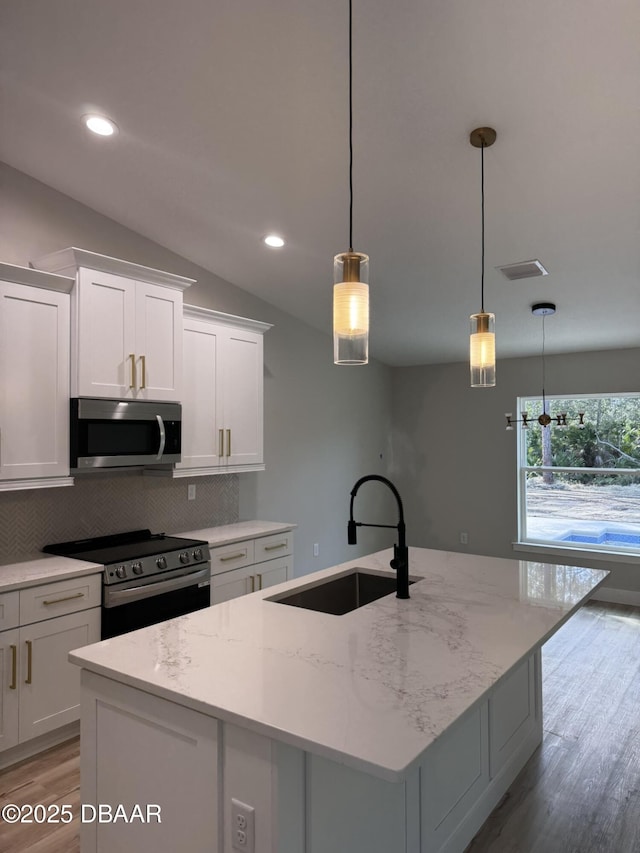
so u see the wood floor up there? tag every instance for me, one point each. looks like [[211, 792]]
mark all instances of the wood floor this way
[[580, 793]]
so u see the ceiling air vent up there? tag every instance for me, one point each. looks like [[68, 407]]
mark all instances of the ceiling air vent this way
[[523, 269]]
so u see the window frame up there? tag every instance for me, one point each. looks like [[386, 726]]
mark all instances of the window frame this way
[[558, 546]]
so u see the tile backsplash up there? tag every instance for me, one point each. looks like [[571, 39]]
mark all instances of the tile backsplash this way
[[112, 503]]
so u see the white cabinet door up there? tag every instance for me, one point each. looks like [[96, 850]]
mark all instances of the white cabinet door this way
[[202, 436], [243, 397], [105, 326], [248, 579], [129, 338], [9, 641], [222, 423], [271, 573], [158, 346], [34, 382], [49, 684], [233, 584]]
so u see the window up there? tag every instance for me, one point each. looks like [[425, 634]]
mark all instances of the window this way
[[580, 487]]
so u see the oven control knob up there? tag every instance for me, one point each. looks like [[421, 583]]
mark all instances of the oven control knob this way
[[121, 572], [137, 568], [161, 562], [197, 554], [184, 557]]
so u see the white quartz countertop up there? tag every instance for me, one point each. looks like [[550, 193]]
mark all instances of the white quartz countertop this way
[[43, 568], [371, 689], [227, 534]]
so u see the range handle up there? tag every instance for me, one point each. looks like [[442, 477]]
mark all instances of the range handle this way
[[115, 597]]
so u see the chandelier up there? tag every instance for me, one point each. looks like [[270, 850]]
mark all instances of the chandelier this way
[[562, 420]]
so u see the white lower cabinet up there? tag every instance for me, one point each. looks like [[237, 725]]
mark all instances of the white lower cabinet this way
[[250, 566], [40, 689]]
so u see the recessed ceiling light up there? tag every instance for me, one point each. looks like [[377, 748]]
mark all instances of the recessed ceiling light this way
[[101, 125], [274, 241]]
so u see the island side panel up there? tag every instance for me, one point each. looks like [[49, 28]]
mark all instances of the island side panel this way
[[468, 770], [137, 749]]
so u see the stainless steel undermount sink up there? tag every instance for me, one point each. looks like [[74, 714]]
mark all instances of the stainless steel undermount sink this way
[[342, 594]]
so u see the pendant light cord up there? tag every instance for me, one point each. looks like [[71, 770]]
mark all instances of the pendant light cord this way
[[544, 406], [482, 198], [350, 134]]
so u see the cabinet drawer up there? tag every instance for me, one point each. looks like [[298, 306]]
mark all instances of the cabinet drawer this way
[[269, 547], [9, 610], [228, 557], [57, 599]]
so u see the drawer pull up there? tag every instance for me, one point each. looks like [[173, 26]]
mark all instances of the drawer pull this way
[[233, 557], [275, 547], [259, 581], [66, 598], [14, 667], [29, 661], [253, 583]]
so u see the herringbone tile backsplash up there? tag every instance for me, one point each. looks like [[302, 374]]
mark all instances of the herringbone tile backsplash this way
[[112, 503]]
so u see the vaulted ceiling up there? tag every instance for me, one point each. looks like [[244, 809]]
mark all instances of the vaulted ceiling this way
[[233, 124]]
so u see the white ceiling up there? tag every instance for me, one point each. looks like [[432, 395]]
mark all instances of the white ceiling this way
[[233, 124]]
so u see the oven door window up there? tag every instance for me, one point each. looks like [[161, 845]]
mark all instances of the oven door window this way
[[150, 611]]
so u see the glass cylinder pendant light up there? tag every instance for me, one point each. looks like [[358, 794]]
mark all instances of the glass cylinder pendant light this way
[[351, 308], [351, 276], [482, 342]]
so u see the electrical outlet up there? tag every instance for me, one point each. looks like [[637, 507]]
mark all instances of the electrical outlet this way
[[316, 550], [242, 827], [191, 492], [464, 538]]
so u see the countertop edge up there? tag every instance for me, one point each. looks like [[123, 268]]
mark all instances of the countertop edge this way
[[66, 569]]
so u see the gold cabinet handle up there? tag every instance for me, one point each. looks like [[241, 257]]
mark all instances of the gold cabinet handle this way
[[14, 667], [220, 443], [259, 576], [232, 557], [132, 356], [275, 547], [66, 598], [228, 442], [29, 661], [143, 384], [253, 584]]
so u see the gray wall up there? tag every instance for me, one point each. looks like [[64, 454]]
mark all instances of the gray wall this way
[[456, 464], [324, 425]]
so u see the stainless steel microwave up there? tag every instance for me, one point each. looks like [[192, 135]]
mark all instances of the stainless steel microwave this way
[[123, 433]]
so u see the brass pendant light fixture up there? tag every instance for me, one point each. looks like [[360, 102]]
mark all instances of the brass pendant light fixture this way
[[351, 274], [482, 342], [544, 309]]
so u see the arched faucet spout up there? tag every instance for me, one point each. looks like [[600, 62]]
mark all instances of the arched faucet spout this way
[[400, 560]]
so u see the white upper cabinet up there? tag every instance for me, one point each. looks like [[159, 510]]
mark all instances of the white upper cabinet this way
[[222, 403], [126, 327], [34, 378]]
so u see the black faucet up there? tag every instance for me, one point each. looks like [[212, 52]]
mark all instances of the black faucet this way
[[400, 560]]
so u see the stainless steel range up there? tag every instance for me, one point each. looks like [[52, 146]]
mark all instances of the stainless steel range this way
[[147, 577]]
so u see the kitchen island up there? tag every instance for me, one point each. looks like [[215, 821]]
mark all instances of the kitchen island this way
[[394, 727]]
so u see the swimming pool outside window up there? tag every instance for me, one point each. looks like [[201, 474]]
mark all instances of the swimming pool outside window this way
[[580, 488]]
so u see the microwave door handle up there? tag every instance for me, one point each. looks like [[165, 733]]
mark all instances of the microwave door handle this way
[[163, 437]]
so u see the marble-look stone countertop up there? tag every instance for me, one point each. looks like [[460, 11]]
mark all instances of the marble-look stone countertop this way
[[227, 534], [43, 568], [371, 689], [39, 568]]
